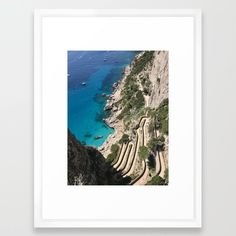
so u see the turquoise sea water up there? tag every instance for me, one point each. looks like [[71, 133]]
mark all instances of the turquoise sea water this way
[[91, 74]]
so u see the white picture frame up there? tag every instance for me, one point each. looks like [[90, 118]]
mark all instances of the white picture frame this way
[[46, 214]]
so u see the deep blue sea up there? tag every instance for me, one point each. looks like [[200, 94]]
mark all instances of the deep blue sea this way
[[91, 74]]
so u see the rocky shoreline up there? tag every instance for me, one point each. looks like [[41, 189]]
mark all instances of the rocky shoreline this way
[[112, 121]]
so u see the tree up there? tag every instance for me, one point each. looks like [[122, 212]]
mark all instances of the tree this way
[[151, 128], [140, 101], [141, 62], [161, 118], [110, 157], [164, 127], [152, 144], [151, 161], [160, 142], [114, 152], [143, 152], [156, 180], [124, 139], [115, 148]]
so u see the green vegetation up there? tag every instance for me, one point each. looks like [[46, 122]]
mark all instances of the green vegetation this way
[[151, 128], [146, 84], [130, 87], [162, 116], [151, 112], [140, 63], [161, 139], [125, 112], [151, 162], [141, 112], [143, 152], [160, 143], [143, 80], [139, 100], [153, 144], [156, 143], [114, 152], [124, 139], [115, 148], [156, 180], [132, 98], [166, 176], [164, 127]]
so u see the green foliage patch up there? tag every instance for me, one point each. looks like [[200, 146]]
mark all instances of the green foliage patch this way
[[143, 152], [152, 144], [114, 152], [124, 138], [141, 62], [156, 180]]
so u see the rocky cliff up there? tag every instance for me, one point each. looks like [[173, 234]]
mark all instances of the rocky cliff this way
[[142, 92], [144, 87], [87, 166], [158, 73]]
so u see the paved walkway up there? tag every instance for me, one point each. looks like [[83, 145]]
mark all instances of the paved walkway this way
[[142, 178], [139, 142]]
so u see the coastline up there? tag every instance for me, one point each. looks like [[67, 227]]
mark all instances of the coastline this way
[[150, 101], [90, 81], [112, 121]]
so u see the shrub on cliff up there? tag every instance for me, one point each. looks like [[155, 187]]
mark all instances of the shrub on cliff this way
[[140, 63], [153, 144], [115, 148], [151, 162], [125, 112], [164, 126], [156, 180], [124, 139], [143, 152], [162, 117], [139, 100], [114, 152], [151, 128], [130, 89]]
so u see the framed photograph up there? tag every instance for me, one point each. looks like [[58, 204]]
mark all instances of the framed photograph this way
[[117, 118]]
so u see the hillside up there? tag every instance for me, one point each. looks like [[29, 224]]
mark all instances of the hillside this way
[[87, 166], [139, 115]]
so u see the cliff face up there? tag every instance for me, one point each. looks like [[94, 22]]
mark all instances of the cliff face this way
[[87, 166], [152, 77], [158, 75], [142, 93]]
